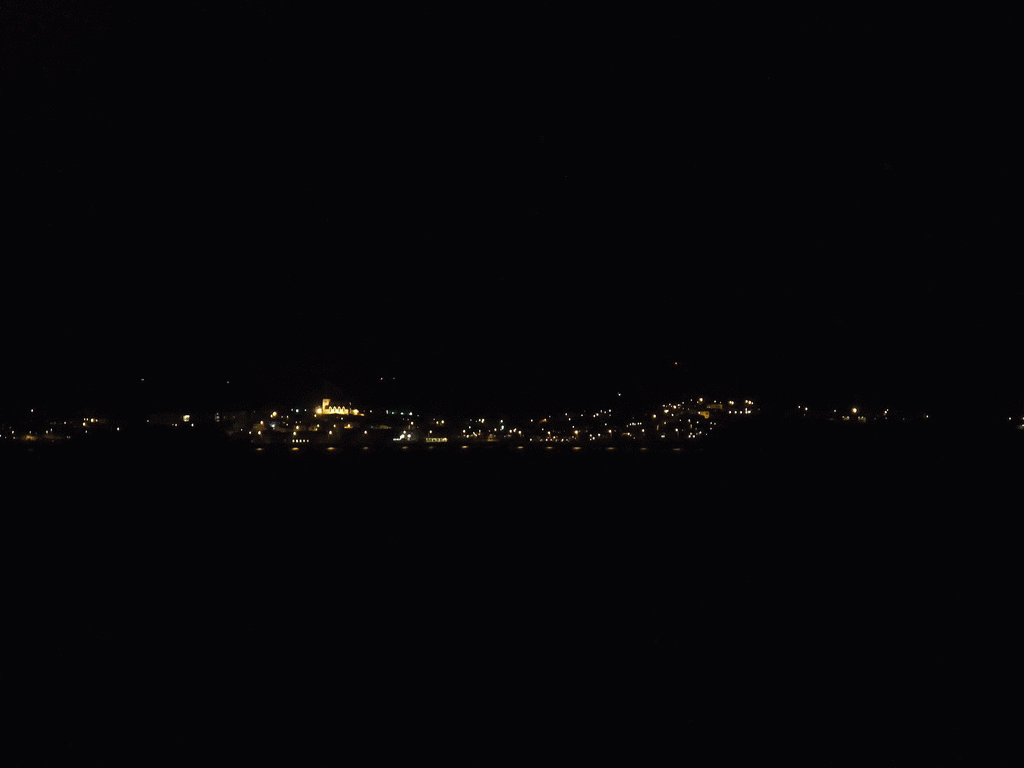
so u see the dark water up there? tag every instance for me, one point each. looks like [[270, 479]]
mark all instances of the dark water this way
[[816, 601]]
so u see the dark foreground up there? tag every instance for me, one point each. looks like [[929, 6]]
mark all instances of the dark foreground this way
[[814, 600]]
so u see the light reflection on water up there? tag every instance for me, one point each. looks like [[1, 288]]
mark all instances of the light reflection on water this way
[[534, 448]]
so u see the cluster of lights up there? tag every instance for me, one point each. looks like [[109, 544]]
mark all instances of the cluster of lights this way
[[672, 419]]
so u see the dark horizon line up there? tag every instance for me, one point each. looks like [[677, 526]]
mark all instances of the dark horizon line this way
[[767, 404]]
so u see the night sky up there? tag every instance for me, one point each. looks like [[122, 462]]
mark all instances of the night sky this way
[[504, 209]]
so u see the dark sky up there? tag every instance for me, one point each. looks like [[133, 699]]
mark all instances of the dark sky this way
[[504, 207]]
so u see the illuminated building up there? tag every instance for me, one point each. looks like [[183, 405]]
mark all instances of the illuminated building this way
[[340, 410]]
